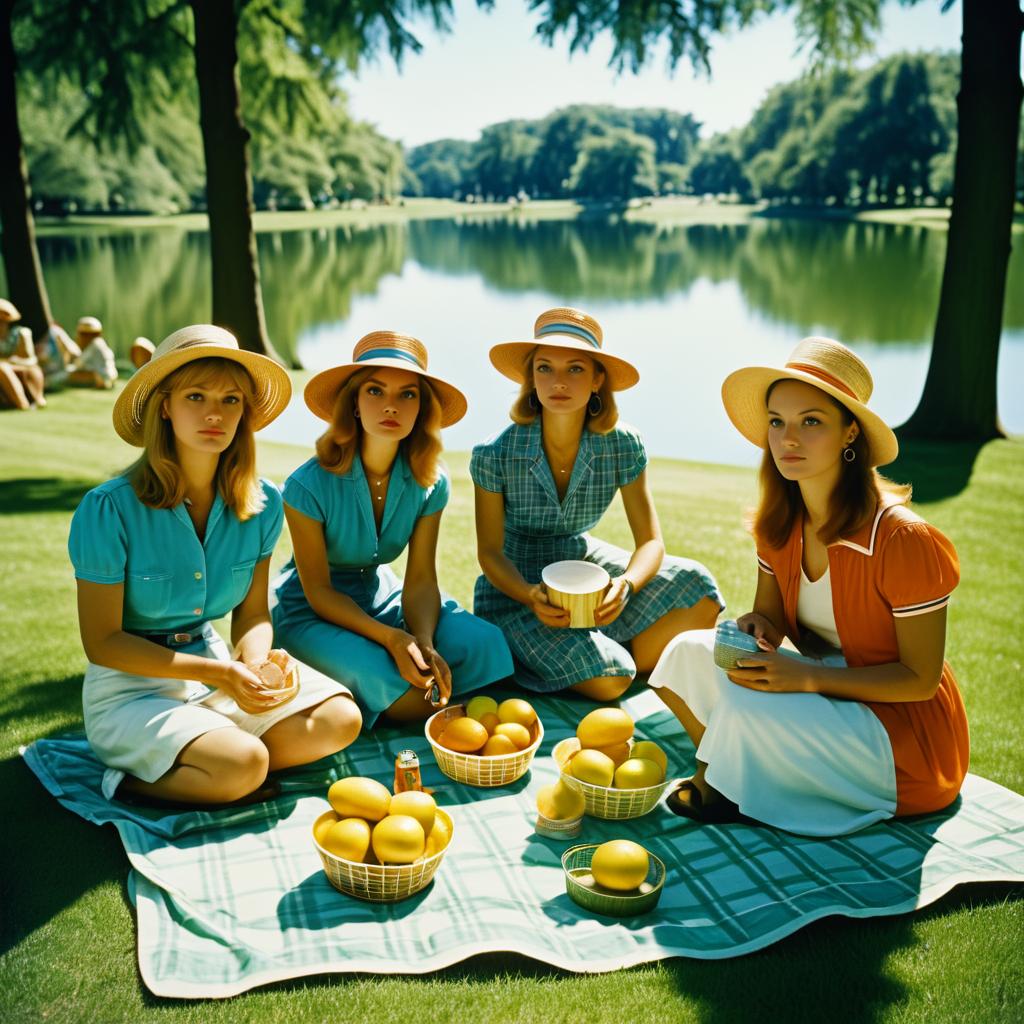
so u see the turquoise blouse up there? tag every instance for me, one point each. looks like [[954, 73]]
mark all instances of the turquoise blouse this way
[[173, 582]]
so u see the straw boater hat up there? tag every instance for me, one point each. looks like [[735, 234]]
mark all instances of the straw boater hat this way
[[384, 348], [271, 383], [564, 328], [826, 365], [8, 310], [90, 324], [143, 345]]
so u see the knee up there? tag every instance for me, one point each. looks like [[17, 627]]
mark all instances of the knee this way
[[246, 767], [340, 720], [604, 688]]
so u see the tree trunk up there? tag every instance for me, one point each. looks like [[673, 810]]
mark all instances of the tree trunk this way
[[959, 399], [18, 242], [237, 301]]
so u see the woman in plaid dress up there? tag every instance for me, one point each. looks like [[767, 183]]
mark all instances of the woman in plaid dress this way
[[546, 480]]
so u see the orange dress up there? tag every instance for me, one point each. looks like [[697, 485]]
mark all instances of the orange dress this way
[[894, 567]]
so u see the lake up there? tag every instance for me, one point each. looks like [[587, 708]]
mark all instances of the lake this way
[[687, 304]]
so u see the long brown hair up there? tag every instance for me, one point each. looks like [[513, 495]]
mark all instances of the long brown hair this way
[[336, 447], [524, 414], [852, 503], [156, 476]]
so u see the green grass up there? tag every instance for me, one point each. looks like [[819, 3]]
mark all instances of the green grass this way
[[67, 929]]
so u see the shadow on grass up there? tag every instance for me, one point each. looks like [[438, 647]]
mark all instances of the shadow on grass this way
[[937, 470], [26, 495]]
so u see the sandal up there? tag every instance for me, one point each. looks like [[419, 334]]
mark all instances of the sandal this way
[[687, 801]]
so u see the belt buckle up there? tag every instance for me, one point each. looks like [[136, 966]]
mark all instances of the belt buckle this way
[[181, 638]]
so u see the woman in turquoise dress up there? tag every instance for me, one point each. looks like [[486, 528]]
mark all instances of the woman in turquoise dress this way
[[375, 487], [546, 480]]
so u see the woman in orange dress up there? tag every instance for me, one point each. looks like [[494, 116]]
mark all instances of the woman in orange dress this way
[[867, 721]]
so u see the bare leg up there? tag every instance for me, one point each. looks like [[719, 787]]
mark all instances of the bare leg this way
[[314, 733], [32, 381], [410, 707], [604, 688], [10, 388], [648, 645], [695, 730], [217, 767]]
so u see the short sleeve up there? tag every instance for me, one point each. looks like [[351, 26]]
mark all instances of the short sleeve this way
[[631, 458], [436, 496], [98, 543], [920, 570], [299, 496], [763, 564], [485, 469], [271, 519]]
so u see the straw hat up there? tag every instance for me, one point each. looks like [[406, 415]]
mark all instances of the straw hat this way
[[90, 324], [564, 328], [271, 383], [141, 344], [825, 364], [8, 310], [384, 348]]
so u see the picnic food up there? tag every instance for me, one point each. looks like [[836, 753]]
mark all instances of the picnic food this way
[[592, 766], [464, 735], [518, 734], [481, 705], [323, 823], [618, 752], [349, 838], [416, 804], [605, 727], [620, 864], [517, 710], [650, 750], [438, 838], [559, 802], [637, 773], [358, 797], [498, 745], [490, 733], [398, 839]]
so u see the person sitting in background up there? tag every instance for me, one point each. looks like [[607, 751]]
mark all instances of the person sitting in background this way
[[141, 352], [95, 368], [21, 379], [56, 353]]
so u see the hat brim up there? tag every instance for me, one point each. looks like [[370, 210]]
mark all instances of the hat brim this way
[[743, 395], [323, 388], [509, 359], [271, 383]]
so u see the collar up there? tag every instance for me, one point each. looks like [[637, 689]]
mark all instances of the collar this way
[[863, 540], [542, 471]]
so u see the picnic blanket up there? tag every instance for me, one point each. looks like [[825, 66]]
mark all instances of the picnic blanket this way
[[229, 900]]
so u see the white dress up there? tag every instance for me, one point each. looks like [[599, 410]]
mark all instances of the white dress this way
[[802, 762]]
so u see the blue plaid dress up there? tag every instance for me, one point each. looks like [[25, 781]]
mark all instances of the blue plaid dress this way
[[540, 529]]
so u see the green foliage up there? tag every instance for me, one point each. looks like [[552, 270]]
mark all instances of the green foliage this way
[[615, 166]]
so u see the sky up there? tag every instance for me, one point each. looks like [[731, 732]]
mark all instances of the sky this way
[[492, 68]]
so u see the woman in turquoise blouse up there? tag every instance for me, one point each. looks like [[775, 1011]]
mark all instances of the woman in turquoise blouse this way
[[375, 487], [180, 539], [546, 480]]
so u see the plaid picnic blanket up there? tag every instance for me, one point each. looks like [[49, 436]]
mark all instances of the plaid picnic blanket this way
[[230, 900]]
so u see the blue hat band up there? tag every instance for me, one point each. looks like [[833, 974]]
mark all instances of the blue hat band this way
[[579, 332], [390, 353]]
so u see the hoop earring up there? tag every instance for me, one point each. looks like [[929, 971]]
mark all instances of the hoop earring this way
[[849, 455], [595, 404], [531, 401]]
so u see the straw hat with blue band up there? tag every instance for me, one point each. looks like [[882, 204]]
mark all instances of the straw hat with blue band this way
[[568, 328], [390, 349], [271, 382]]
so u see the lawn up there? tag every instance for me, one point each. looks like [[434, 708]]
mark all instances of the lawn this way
[[67, 934]]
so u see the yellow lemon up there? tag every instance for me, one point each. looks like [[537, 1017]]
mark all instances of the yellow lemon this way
[[480, 706], [515, 709], [398, 839], [357, 797], [560, 802], [618, 752], [348, 838], [620, 864], [490, 721], [517, 733], [497, 745], [605, 727], [321, 826], [636, 773], [592, 766], [651, 750], [440, 836], [564, 750], [465, 735], [417, 805]]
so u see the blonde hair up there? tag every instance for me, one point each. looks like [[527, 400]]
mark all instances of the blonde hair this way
[[336, 447], [524, 414], [156, 477]]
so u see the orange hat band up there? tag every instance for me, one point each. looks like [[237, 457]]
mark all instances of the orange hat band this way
[[826, 378]]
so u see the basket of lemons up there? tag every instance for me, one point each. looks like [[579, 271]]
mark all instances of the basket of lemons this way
[[380, 847], [484, 743], [619, 778], [619, 878]]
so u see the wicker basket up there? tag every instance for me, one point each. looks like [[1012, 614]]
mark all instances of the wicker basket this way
[[474, 770], [380, 883], [602, 901], [605, 801]]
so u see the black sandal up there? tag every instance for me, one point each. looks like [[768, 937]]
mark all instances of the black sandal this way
[[719, 812]]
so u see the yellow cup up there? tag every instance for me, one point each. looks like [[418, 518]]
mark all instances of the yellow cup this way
[[578, 586]]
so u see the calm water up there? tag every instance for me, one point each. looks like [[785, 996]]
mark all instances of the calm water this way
[[686, 304]]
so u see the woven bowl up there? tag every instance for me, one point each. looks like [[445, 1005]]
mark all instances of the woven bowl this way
[[380, 883], [474, 770], [602, 901], [606, 801]]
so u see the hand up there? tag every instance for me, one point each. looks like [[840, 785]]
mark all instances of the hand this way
[[613, 603], [549, 614], [773, 672], [408, 659], [438, 669], [761, 629], [285, 662], [239, 682]]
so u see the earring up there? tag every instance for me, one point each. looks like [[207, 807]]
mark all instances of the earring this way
[[594, 405], [531, 401], [849, 455], [355, 412]]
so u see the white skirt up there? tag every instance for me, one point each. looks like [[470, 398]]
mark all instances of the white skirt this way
[[138, 725], [799, 761]]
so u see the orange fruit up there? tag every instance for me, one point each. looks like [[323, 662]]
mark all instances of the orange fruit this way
[[464, 735], [498, 745], [517, 710], [618, 752], [490, 721], [517, 733]]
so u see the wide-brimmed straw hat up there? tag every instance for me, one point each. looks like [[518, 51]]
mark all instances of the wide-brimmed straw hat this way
[[826, 365], [90, 324], [384, 348], [568, 328], [8, 310], [271, 383]]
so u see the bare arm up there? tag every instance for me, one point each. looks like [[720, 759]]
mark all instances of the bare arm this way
[[251, 631], [767, 621]]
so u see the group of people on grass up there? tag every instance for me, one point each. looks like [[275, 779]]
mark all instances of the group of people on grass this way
[[859, 720], [29, 368]]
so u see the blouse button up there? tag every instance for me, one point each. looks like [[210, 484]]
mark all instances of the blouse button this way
[[197, 611], [199, 575]]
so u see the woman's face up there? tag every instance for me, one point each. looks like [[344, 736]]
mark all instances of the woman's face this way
[[564, 379], [205, 416], [388, 403], [806, 432]]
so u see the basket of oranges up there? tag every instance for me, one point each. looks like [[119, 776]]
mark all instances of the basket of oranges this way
[[484, 743], [619, 778], [380, 847]]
